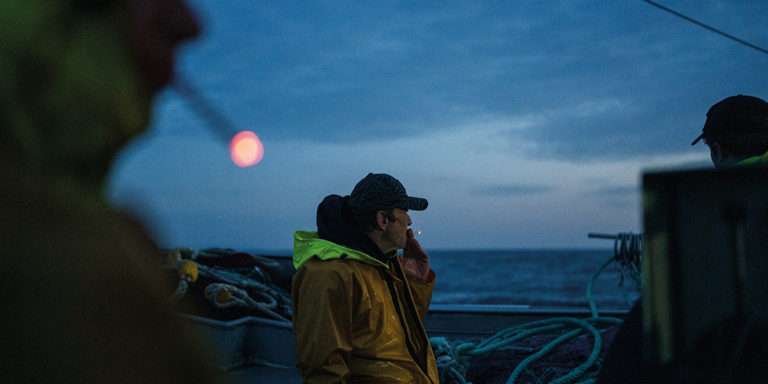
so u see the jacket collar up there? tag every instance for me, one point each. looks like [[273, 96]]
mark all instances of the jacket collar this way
[[755, 160], [307, 245]]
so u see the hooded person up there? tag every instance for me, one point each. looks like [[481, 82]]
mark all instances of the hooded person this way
[[358, 308], [82, 301]]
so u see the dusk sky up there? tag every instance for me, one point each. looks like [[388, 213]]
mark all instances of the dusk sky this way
[[527, 124]]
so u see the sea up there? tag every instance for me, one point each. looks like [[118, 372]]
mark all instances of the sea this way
[[528, 277], [536, 278]]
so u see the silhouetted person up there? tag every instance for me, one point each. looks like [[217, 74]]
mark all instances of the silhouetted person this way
[[736, 131], [81, 302]]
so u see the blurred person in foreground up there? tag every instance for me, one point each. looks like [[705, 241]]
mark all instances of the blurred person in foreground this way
[[358, 308], [736, 132], [82, 301]]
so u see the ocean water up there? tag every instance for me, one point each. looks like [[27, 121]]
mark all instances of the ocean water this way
[[529, 277], [551, 278]]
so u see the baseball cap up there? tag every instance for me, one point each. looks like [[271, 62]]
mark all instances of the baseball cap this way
[[382, 191], [737, 118]]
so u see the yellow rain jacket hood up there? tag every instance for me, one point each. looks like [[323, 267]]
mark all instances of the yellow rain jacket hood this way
[[357, 317]]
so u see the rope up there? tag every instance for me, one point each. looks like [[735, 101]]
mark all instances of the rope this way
[[181, 291], [627, 251], [562, 322], [448, 361], [224, 295], [269, 294], [707, 27], [590, 298], [232, 289], [454, 360]]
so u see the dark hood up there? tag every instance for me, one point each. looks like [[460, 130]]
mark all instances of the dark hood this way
[[336, 224]]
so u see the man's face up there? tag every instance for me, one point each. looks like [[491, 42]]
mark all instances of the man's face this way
[[397, 226], [157, 29]]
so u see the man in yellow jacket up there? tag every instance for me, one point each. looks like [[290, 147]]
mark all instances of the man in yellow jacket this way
[[358, 307]]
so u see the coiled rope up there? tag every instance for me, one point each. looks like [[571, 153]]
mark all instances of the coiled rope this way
[[231, 289], [224, 295], [628, 251], [454, 359]]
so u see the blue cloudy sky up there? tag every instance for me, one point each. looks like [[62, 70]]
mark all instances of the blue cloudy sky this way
[[525, 123]]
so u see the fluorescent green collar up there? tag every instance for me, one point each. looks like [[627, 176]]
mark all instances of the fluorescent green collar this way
[[755, 160], [307, 245]]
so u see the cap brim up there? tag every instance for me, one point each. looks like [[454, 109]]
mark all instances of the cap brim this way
[[416, 203], [694, 142]]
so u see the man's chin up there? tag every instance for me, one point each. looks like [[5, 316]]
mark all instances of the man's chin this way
[[157, 73], [159, 81]]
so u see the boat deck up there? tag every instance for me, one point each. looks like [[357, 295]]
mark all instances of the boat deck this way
[[260, 350]]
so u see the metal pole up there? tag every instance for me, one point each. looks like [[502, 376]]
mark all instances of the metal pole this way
[[215, 119]]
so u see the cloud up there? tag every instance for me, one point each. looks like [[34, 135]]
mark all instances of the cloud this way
[[617, 190], [502, 190], [605, 87], [562, 104]]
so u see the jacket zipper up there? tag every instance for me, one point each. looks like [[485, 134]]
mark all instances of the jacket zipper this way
[[404, 324]]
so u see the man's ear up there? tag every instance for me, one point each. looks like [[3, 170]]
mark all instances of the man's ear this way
[[716, 153], [381, 220]]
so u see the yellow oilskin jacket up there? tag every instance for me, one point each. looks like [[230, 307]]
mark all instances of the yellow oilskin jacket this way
[[358, 319], [755, 160]]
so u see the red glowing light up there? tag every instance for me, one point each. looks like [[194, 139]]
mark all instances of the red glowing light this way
[[246, 149]]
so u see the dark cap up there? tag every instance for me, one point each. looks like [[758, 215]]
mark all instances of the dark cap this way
[[382, 191], [737, 118]]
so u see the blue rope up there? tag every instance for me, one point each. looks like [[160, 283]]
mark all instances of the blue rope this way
[[454, 360], [590, 299]]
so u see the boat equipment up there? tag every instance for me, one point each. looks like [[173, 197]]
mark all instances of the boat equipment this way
[[454, 358], [231, 289]]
